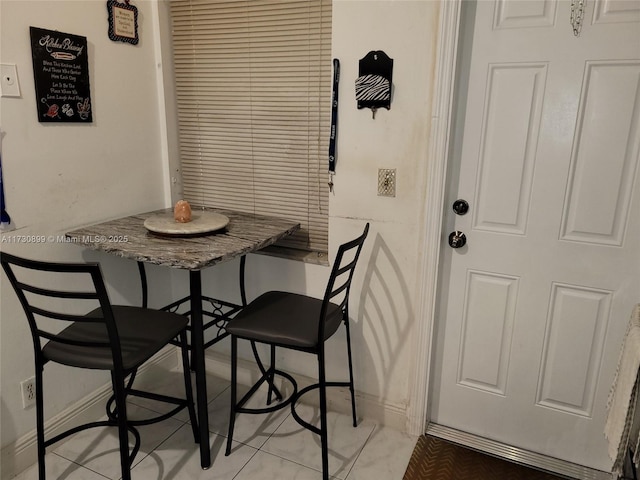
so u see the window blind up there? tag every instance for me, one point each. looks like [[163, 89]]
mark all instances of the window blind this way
[[253, 89]]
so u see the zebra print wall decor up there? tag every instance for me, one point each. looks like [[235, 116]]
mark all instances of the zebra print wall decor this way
[[374, 82]]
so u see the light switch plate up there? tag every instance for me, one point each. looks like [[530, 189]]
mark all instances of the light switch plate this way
[[9, 85]]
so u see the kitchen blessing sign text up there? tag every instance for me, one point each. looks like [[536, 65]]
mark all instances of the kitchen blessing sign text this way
[[61, 74]]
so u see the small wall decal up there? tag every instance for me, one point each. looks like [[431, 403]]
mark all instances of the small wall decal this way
[[61, 74], [123, 22]]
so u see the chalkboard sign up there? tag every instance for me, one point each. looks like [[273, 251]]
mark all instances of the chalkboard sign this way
[[61, 73]]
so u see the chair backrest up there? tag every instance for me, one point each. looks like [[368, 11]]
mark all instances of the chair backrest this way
[[339, 284], [49, 307]]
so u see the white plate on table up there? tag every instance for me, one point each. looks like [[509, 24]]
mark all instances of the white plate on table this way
[[201, 222]]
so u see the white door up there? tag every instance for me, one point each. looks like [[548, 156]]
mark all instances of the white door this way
[[535, 305]]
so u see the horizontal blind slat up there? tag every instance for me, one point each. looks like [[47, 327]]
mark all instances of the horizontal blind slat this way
[[253, 89]]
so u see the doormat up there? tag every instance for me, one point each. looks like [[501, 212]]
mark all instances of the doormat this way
[[436, 459]]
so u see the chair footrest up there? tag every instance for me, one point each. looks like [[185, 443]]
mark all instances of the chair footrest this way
[[104, 423], [181, 404], [305, 390]]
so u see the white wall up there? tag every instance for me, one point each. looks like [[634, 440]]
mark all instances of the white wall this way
[[58, 177], [398, 138]]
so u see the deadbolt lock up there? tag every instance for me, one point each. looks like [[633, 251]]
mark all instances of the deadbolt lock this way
[[460, 207]]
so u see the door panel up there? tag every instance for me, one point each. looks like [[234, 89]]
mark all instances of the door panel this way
[[509, 137], [538, 301], [487, 328], [599, 193], [616, 11], [511, 14], [572, 349]]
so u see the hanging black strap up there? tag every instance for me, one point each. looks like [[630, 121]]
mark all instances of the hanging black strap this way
[[334, 116]]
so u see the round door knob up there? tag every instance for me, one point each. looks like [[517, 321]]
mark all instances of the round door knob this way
[[457, 239], [460, 207]]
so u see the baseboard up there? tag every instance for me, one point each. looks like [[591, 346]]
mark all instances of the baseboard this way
[[22, 453], [338, 399], [515, 454]]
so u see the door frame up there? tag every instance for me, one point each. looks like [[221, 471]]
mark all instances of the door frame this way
[[433, 214]]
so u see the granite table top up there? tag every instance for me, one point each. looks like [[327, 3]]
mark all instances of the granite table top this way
[[128, 238]]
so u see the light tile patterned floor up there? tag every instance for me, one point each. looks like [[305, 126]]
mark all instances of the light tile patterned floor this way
[[271, 446]]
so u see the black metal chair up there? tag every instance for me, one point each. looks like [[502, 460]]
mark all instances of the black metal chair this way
[[303, 323], [102, 337]]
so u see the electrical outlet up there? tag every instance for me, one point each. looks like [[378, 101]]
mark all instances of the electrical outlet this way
[[28, 389], [387, 182]]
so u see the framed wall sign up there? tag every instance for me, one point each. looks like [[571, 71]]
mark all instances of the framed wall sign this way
[[61, 74], [123, 21]]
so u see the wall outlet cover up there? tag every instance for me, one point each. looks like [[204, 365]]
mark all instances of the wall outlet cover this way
[[28, 390]]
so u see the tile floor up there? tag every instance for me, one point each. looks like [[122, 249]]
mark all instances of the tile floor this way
[[270, 446]]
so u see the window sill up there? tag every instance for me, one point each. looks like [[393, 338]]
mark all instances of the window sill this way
[[313, 257]]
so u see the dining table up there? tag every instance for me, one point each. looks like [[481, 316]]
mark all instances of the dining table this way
[[138, 237]]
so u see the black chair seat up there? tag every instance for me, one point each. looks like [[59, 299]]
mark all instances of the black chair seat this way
[[283, 318], [143, 332]]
